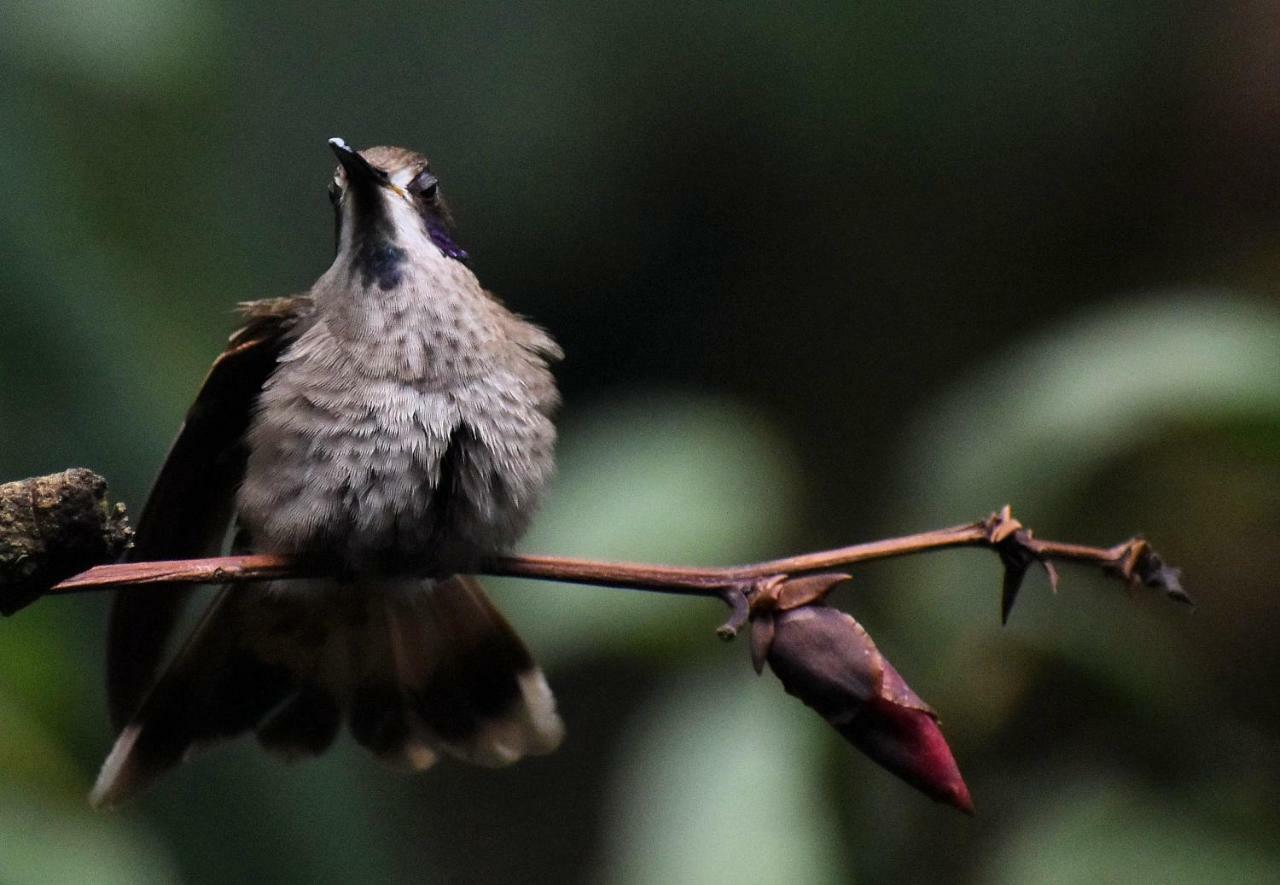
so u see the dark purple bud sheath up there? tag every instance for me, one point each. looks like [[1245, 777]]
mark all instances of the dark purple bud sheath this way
[[826, 659]]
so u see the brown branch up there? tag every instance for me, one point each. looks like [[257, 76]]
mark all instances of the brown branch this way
[[821, 655], [1132, 561], [54, 526]]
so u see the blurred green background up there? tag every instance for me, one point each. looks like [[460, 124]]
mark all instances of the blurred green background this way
[[824, 271]]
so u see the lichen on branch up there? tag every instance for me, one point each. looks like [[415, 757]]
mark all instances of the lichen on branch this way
[[52, 527]]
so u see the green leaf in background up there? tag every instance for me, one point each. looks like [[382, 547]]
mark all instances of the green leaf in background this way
[[662, 477], [34, 755], [126, 47], [1043, 415], [1131, 836], [718, 785], [48, 841], [1035, 426], [84, 392]]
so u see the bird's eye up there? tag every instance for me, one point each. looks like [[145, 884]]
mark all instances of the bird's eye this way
[[335, 192], [424, 185]]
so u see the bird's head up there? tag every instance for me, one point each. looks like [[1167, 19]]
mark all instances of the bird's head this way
[[386, 201]]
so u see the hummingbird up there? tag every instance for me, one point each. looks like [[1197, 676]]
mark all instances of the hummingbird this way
[[393, 427]]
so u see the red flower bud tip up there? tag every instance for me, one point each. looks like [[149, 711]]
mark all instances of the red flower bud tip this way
[[909, 743], [826, 659]]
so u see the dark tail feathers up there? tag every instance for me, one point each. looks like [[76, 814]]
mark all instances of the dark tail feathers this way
[[414, 672]]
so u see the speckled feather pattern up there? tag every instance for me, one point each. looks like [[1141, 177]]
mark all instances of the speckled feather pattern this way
[[352, 429], [405, 432]]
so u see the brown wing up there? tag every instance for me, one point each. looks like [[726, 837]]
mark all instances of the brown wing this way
[[191, 502]]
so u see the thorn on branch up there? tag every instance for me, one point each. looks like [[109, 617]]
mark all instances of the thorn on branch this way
[[1166, 578], [1133, 562], [734, 596], [1017, 550], [1140, 566]]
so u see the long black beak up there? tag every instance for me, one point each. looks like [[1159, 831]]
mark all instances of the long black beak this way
[[358, 168]]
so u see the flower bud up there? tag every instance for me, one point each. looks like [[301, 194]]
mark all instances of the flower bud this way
[[826, 659]]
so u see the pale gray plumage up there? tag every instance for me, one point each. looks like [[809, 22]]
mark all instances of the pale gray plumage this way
[[354, 425], [402, 434]]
